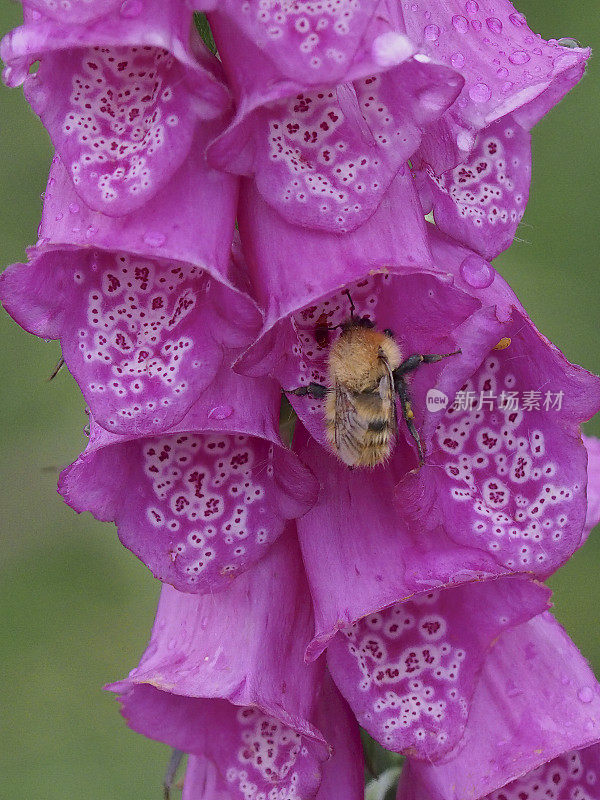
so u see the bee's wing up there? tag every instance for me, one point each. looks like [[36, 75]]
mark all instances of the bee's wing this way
[[387, 393], [350, 426]]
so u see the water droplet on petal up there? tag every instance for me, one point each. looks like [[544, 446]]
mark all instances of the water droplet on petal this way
[[477, 272], [391, 48], [220, 412], [519, 57], [502, 72], [568, 42], [480, 93], [461, 24], [586, 695], [457, 60], [518, 20], [155, 239], [494, 24], [431, 32], [471, 7], [131, 8], [476, 25], [74, 208]]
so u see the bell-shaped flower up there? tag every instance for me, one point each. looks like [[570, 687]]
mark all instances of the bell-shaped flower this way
[[224, 679], [324, 156], [121, 95], [313, 44], [533, 727], [409, 671], [204, 500], [502, 488], [474, 166], [147, 310], [481, 201], [341, 774]]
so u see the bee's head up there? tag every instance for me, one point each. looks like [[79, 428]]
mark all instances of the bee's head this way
[[357, 322]]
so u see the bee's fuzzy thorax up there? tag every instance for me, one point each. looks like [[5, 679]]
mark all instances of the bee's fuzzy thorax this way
[[355, 359]]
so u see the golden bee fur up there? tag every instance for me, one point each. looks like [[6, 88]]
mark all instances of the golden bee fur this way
[[361, 418]]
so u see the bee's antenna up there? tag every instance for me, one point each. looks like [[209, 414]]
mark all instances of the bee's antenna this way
[[352, 307]]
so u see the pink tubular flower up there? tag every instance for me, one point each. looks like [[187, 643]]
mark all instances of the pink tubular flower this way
[[312, 44], [120, 98], [147, 312], [474, 166], [204, 500], [503, 486], [532, 730], [324, 157], [410, 670], [223, 679]]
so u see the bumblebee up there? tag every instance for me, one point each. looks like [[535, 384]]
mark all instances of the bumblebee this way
[[366, 372]]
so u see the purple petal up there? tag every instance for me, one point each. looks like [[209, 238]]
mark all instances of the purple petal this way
[[573, 775], [512, 479], [309, 45], [501, 491], [309, 265], [342, 774], [205, 500], [146, 322], [223, 678], [120, 107], [592, 445], [409, 671], [324, 158], [75, 11], [536, 700], [481, 201], [505, 66]]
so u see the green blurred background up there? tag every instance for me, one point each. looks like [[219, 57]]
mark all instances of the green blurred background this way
[[76, 607]]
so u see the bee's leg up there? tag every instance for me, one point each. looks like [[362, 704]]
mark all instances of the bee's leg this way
[[407, 413], [172, 767], [412, 362], [315, 390]]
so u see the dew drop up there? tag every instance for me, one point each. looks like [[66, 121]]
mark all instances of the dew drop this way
[[518, 20], [502, 72], [461, 24], [480, 93], [73, 208], [567, 42], [457, 60], [131, 8], [476, 25], [220, 412], [431, 32], [477, 272], [519, 57], [471, 7], [494, 24], [154, 239], [391, 48], [586, 695]]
